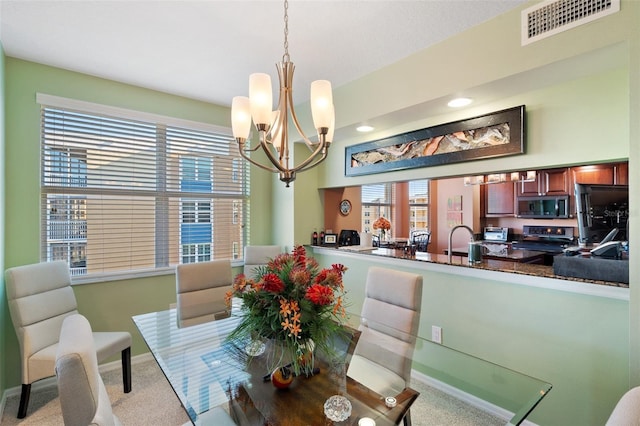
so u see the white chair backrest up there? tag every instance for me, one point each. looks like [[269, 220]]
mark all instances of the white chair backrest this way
[[627, 410], [40, 298], [255, 256], [421, 239], [200, 291], [83, 397], [391, 316]]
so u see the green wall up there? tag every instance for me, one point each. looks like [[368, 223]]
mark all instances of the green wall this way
[[3, 302], [109, 306], [576, 342]]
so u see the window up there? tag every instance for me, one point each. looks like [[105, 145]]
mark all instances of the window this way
[[382, 200], [124, 191], [418, 204], [376, 202]]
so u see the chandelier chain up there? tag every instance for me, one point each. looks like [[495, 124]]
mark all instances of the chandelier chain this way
[[285, 57]]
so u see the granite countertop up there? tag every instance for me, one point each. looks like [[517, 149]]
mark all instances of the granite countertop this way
[[508, 266], [504, 254]]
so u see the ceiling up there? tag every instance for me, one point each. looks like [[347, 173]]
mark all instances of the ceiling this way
[[206, 50]]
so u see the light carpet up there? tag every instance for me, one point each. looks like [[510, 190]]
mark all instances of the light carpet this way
[[153, 402]]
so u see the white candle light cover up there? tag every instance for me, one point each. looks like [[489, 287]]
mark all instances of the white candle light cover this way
[[260, 98], [321, 103], [240, 117]]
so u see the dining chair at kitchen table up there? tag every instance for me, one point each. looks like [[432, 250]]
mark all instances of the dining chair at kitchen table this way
[[420, 239], [200, 291], [389, 323], [83, 396], [256, 256], [40, 298], [627, 410]]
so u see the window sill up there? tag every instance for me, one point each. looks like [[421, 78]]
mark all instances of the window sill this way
[[131, 275]]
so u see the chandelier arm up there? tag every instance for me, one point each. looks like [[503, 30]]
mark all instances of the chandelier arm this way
[[255, 163], [255, 148], [275, 161], [306, 140], [310, 166], [322, 144], [303, 166]]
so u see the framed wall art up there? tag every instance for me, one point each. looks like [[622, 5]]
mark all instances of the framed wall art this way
[[491, 135]]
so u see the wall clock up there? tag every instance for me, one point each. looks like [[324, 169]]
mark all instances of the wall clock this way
[[345, 207]]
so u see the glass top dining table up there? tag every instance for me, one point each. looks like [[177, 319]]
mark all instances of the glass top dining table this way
[[219, 382]]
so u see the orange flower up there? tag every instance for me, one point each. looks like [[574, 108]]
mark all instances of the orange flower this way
[[285, 307], [295, 329], [382, 223]]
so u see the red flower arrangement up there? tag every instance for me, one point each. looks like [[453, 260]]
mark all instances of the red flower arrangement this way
[[292, 302]]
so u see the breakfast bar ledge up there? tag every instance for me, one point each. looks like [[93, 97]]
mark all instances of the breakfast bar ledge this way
[[495, 270]]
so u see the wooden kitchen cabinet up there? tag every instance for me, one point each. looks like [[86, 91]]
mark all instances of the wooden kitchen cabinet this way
[[499, 199], [606, 174], [548, 182]]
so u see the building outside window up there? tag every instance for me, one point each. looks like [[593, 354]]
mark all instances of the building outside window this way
[[418, 205]]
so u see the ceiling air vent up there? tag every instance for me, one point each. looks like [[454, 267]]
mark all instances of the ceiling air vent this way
[[553, 17]]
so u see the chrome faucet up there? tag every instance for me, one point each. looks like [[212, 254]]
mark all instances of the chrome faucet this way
[[451, 237]]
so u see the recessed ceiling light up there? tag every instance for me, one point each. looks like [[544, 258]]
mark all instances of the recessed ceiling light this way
[[364, 128], [459, 102]]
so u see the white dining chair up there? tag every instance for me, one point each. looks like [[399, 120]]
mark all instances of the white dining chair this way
[[83, 396], [627, 410], [200, 291], [255, 256], [389, 323], [40, 298]]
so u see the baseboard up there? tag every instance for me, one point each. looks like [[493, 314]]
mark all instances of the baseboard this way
[[472, 400], [50, 382]]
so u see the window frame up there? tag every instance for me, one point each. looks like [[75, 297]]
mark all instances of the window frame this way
[[241, 198]]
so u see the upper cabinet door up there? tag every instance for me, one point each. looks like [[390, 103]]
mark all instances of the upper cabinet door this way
[[530, 189], [499, 199], [605, 174], [556, 182], [600, 174], [548, 182]]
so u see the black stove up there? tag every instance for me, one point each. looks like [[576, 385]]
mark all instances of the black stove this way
[[546, 246], [549, 239]]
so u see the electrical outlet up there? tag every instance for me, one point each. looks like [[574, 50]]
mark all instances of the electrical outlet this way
[[436, 334]]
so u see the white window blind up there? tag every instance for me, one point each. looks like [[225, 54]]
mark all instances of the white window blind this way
[[122, 194], [377, 201]]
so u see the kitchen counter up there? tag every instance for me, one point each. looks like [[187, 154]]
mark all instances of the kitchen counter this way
[[499, 265]]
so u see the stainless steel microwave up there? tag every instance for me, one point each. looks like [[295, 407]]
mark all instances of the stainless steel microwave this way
[[543, 207]]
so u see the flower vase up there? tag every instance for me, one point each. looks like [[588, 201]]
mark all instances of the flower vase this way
[[282, 377]]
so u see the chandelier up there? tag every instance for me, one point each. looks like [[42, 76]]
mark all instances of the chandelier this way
[[273, 126]]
